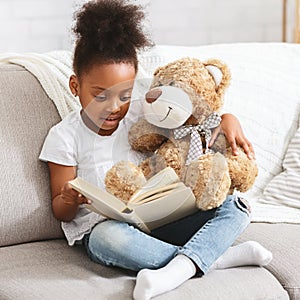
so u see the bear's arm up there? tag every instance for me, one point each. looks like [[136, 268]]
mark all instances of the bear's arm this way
[[145, 137]]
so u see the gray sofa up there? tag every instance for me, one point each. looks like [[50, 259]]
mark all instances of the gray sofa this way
[[37, 263]]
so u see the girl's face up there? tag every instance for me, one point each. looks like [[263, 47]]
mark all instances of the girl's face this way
[[105, 93]]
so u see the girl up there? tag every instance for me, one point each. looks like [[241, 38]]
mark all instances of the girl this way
[[109, 33]]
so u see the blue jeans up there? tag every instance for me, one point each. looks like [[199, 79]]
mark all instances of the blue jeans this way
[[203, 237]]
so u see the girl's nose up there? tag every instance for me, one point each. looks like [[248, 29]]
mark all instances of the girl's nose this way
[[113, 105]]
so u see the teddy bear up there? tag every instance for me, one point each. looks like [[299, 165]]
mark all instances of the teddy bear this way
[[181, 109]]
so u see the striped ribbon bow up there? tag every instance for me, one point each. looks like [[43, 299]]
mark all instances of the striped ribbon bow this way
[[195, 149]]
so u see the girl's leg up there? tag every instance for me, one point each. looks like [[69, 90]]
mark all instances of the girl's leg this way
[[181, 268], [115, 243], [218, 234], [179, 232], [119, 244], [203, 249]]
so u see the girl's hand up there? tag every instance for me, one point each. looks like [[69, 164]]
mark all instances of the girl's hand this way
[[72, 197], [232, 129]]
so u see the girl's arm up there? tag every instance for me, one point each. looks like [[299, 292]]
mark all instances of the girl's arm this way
[[65, 200], [232, 129]]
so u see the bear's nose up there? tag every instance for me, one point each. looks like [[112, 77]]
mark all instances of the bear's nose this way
[[153, 95]]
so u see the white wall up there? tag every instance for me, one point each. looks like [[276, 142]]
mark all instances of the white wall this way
[[44, 25], [216, 21]]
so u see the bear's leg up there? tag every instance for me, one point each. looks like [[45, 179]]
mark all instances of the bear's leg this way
[[208, 176], [242, 170]]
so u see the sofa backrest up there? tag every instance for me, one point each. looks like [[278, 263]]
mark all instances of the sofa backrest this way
[[26, 114]]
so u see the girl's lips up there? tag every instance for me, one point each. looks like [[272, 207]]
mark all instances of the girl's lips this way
[[110, 121], [110, 118]]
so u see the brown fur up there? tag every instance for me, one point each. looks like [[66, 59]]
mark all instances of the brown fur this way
[[127, 177]]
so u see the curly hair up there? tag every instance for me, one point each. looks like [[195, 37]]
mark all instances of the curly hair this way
[[108, 31]]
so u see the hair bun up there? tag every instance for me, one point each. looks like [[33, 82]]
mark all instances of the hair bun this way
[[110, 25]]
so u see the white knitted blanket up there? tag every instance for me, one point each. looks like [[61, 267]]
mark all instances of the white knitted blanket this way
[[53, 70]]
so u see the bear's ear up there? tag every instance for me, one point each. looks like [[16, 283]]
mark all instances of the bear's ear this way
[[216, 73], [220, 73]]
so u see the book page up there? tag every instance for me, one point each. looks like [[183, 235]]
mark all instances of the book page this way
[[154, 194], [180, 202], [162, 179]]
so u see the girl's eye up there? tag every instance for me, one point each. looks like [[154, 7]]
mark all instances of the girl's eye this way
[[100, 98], [125, 98]]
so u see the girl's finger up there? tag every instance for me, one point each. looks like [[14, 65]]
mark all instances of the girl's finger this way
[[233, 146]]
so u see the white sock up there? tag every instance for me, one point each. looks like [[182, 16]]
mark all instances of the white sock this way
[[150, 283], [245, 254]]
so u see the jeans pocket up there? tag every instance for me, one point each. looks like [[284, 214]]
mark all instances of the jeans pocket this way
[[243, 205]]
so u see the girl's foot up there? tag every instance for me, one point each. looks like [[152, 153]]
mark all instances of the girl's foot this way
[[245, 254], [150, 283]]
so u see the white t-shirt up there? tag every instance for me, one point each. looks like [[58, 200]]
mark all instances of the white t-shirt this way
[[72, 143]]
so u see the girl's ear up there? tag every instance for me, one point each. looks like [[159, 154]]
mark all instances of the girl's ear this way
[[74, 85]]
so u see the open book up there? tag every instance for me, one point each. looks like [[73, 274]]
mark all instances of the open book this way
[[163, 199]]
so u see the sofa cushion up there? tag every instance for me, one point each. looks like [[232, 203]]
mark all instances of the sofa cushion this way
[[284, 189], [280, 199], [53, 270], [283, 240], [26, 116]]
